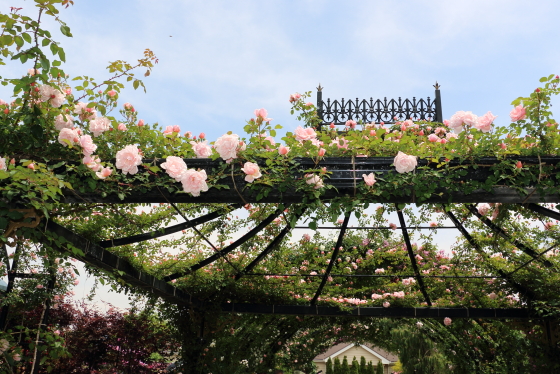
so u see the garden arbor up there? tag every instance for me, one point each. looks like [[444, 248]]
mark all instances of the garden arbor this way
[[250, 241]]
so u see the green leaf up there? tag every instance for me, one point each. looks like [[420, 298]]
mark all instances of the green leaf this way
[[26, 37], [65, 30], [45, 64], [45, 42], [136, 84], [313, 225], [19, 41], [62, 54], [54, 49], [3, 223]]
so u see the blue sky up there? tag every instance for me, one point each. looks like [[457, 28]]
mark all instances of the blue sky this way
[[220, 60]]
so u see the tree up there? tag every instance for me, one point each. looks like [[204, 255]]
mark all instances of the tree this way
[[337, 368], [379, 369], [355, 367], [345, 366], [329, 366], [363, 365]]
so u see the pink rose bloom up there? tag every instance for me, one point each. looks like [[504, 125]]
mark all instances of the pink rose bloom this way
[[456, 121], [340, 143], [111, 93], [176, 128], [321, 152], [470, 119], [271, 140], [379, 271], [549, 225], [485, 122], [71, 135], [121, 127], [483, 209], [32, 72], [451, 135], [226, 146], [294, 97], [128, 159], [99, 125], [433, 138], [314, 180], [128, 106], [84, 112], [283, 150], [351, 124], [405, 163], [88, 147], [104, 173], [305, 134], [518, 114], [493, 296], [447, 321], [140, 123], [194, 182], [201, 149], [168, 130], [386, 304], [61, 123], [52, 95], [262, 114], [252, 170], [369, 179], [175, 167], [3, 165], [92, 162]]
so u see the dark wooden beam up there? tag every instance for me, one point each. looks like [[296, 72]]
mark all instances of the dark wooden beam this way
[[412, 258], [342, 173], [168, 230], [101, 258], [333, 258], [502, 274], [229, 248], [379, 312], [498, 230], [269, 248]]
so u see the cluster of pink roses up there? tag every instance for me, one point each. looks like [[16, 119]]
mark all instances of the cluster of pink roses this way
[[72, 136], [193, 181], [470, 120]]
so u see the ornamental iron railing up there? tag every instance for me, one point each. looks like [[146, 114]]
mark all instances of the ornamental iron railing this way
[[387, 111]]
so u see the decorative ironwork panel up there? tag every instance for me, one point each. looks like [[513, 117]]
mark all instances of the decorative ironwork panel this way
[[387, 111]]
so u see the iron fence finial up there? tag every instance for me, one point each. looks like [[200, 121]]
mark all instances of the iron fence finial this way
[[319, 88], [437, 86]]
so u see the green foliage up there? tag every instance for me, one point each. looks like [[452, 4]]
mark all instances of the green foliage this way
[[329, 369], [345, 366], [363, 365], [337, 367], [355, 367], [379, 368]]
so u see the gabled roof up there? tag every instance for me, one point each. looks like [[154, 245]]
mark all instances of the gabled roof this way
[[383, 355]]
